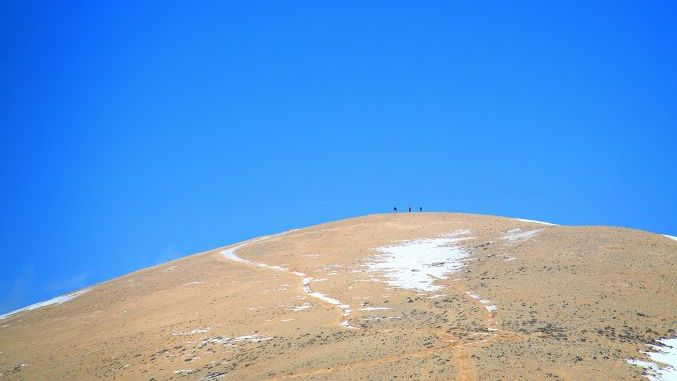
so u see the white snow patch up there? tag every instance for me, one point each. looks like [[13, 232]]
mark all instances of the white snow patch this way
[[663, 364], [669, 236], [517, 234], [417, 263], [192, 283], [232, 340], [230, 254], [381, 318], [184, 372], [508, 259], [374, 308], [58, 300], [286, 320], [345, 309], [491, 307], [534, 221], [305, 306], [192, 332], [330, 300]]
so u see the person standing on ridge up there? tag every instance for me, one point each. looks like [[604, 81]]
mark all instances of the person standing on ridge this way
[[395, 210], [420, 209], [410, 209]]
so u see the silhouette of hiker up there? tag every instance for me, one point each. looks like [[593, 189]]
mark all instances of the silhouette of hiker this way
[[410, 209], [395, 210], [420, 208]]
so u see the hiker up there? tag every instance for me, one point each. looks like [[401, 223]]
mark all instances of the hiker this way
[[395, 210], [420, 209], [410, 209]]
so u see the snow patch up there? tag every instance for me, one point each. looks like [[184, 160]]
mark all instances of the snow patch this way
[[669, 236], [663, 364], [192, 332], [415, 264], [184, 372], [488, 305], [374, 308], [377, 318], [534, 221], [305, 306], [192, 283], [346, 324], [58, 300], [517, 234], [232, 340]]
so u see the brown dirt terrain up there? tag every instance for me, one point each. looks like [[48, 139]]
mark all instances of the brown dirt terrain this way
[[572, 303]]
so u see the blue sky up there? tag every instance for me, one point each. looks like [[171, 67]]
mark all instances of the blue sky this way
[[136, 132]]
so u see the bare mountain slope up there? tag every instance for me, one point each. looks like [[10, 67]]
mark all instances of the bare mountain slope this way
[[413, 296]]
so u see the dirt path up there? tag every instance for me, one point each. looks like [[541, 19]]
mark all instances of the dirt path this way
[[453, 344], [463, 364], [459, 347], [359, 363]]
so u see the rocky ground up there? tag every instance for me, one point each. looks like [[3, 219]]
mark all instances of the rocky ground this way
[[398, 296]]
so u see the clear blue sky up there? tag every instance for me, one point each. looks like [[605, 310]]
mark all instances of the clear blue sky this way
[[137, 132]]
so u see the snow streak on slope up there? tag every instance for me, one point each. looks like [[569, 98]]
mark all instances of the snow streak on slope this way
[[417, 263], [663, 365], [491, 307], [305, 281], [517, 234], [58, 300], [232, 340], [195, 331], [535, 222], [669, 236]]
